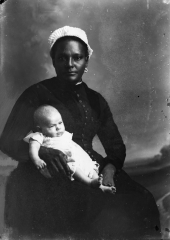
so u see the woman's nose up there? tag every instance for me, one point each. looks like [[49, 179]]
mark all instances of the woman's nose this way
[[70, 62]]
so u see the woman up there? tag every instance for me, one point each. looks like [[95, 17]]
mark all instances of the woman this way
[[36, 204]]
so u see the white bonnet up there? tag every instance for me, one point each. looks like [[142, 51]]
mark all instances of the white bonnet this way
[[69, 31]]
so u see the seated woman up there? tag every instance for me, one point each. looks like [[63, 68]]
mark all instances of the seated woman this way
[[36, 204]]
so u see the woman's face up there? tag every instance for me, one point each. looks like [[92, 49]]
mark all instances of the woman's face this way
[[70, 60]]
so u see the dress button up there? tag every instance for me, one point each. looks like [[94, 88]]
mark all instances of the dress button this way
[[80, 101], [78, 95]]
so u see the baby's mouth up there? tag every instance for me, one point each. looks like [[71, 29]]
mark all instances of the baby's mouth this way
[[59, 134]]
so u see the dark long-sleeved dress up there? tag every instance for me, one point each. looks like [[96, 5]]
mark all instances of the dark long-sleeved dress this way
[[37, 204]]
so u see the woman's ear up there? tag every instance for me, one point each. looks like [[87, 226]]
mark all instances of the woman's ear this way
[[87, 61]]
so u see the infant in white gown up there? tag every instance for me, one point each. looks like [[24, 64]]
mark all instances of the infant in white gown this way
[[76, 156], [51, 134]]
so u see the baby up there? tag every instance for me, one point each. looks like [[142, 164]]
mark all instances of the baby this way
[[51, 133]]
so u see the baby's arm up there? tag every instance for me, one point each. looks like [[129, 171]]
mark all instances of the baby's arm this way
[[34, 147]]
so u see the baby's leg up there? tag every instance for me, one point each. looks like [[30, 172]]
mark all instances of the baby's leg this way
[[94, 175], [95, 183], [80, 176]]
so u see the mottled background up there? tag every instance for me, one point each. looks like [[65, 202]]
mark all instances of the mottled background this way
[[129, 66]]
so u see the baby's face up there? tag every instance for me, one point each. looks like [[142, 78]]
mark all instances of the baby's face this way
[[53, 125]]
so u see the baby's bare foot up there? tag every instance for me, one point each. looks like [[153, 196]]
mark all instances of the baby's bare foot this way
[[97, 183], [108, 189]]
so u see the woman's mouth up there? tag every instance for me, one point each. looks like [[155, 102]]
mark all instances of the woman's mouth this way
[[71, 73]]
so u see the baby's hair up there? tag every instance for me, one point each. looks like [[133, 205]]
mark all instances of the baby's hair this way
[[42, 112]]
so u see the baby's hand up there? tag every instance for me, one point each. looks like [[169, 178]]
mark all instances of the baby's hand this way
[[40, 164], [69, 154]]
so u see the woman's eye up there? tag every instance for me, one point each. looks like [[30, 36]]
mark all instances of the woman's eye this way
[[77, 58], [61, 58]]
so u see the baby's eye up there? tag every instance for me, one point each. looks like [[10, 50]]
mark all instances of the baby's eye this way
[[60, 123]]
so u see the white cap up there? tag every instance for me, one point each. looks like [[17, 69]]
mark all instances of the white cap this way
[[69, 31]]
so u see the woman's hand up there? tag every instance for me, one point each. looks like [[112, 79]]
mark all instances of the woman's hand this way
[[109, 172], [55, 160]]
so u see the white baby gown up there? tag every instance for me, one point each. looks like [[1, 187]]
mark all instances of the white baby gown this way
[[77, 157]]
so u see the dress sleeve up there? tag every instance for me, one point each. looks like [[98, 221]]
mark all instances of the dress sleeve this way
[[37, 136], [110, 137], [19, 123]]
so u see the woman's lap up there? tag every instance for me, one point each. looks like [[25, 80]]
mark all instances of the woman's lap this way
[[57, 205]]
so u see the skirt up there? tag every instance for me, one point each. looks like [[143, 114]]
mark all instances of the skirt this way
[[35, 205]]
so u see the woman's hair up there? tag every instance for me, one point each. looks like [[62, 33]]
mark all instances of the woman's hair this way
[[54, 47]]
